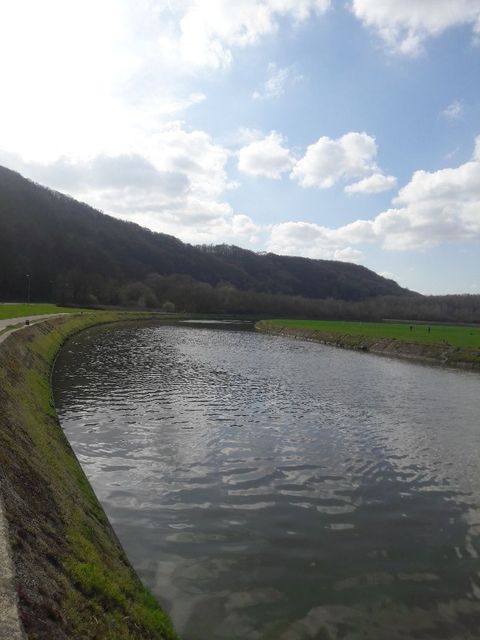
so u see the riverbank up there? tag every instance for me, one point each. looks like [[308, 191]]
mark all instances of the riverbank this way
[[72, 577], [361, 337]]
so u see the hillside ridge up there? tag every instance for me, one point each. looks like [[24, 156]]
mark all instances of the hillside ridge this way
[[61, 244]]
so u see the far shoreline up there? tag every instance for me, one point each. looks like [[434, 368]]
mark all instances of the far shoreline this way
[[434, 353]]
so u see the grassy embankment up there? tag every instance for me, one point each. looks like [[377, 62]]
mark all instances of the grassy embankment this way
[[21, 310], [74, 580], [448, 344]]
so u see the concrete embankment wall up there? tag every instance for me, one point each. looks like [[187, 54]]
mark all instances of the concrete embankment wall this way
[[434, 353], [70, 575]]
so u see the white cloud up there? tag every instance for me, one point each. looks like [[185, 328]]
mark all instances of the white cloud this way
[[175, 187], [83, 78], [209, 29], [266, 157], [324, 163], [47, 86], [197, 222], [375, 183], [433, 208], [348, 255], [244, 136], [387, 274], [101, 173], [276, 82], [404, 25], [191, 152], [317, 241], [303, 239], [327, 161], [454, 111]]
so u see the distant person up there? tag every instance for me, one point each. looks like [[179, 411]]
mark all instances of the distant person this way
[[411, 328], [429, 329]]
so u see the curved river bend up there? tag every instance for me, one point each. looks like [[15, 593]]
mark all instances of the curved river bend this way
[[267, 488]]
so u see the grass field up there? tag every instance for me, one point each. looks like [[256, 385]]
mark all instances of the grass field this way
[[21, 310], [454, 335]]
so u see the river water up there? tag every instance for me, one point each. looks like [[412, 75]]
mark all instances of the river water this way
[[268, 488]]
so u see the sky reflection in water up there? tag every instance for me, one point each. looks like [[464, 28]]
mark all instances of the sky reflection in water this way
[[266, 488]]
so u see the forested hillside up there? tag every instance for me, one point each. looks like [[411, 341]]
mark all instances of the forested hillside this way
[[69, 252]]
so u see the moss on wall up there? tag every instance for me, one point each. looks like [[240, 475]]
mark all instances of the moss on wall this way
[[74, 580]]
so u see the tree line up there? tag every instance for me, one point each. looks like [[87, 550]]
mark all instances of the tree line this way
[[183, 293]]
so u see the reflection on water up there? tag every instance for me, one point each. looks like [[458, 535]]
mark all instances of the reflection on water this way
[[266, 488]]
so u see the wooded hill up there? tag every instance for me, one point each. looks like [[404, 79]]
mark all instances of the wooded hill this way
[[77, 254]]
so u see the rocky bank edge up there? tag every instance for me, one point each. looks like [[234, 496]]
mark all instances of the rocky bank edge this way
[[72, 576], [436, 353]]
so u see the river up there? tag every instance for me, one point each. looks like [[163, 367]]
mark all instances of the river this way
[[268, 488]]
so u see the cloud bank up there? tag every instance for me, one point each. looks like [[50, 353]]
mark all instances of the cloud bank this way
[[405, 25], [433, 208], [324, 163], [210, 29]]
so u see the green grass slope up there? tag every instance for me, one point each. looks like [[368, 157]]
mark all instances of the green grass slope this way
[[74, 580]]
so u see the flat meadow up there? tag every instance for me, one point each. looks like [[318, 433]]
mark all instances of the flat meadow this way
[[21, 310], [453, 335]]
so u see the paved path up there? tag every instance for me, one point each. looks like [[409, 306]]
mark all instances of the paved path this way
[[21, 321], [10, 625]]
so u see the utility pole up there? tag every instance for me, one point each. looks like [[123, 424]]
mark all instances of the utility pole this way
[[28, 288]]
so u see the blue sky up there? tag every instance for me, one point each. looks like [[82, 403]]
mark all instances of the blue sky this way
[[330, 129]]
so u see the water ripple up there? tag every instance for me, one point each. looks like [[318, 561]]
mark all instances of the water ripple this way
[[289, 489]]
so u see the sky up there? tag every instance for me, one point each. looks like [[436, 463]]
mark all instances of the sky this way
[[336, 129]]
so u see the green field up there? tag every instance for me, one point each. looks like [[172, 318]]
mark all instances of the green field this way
[[454, 335], [21, 310]]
